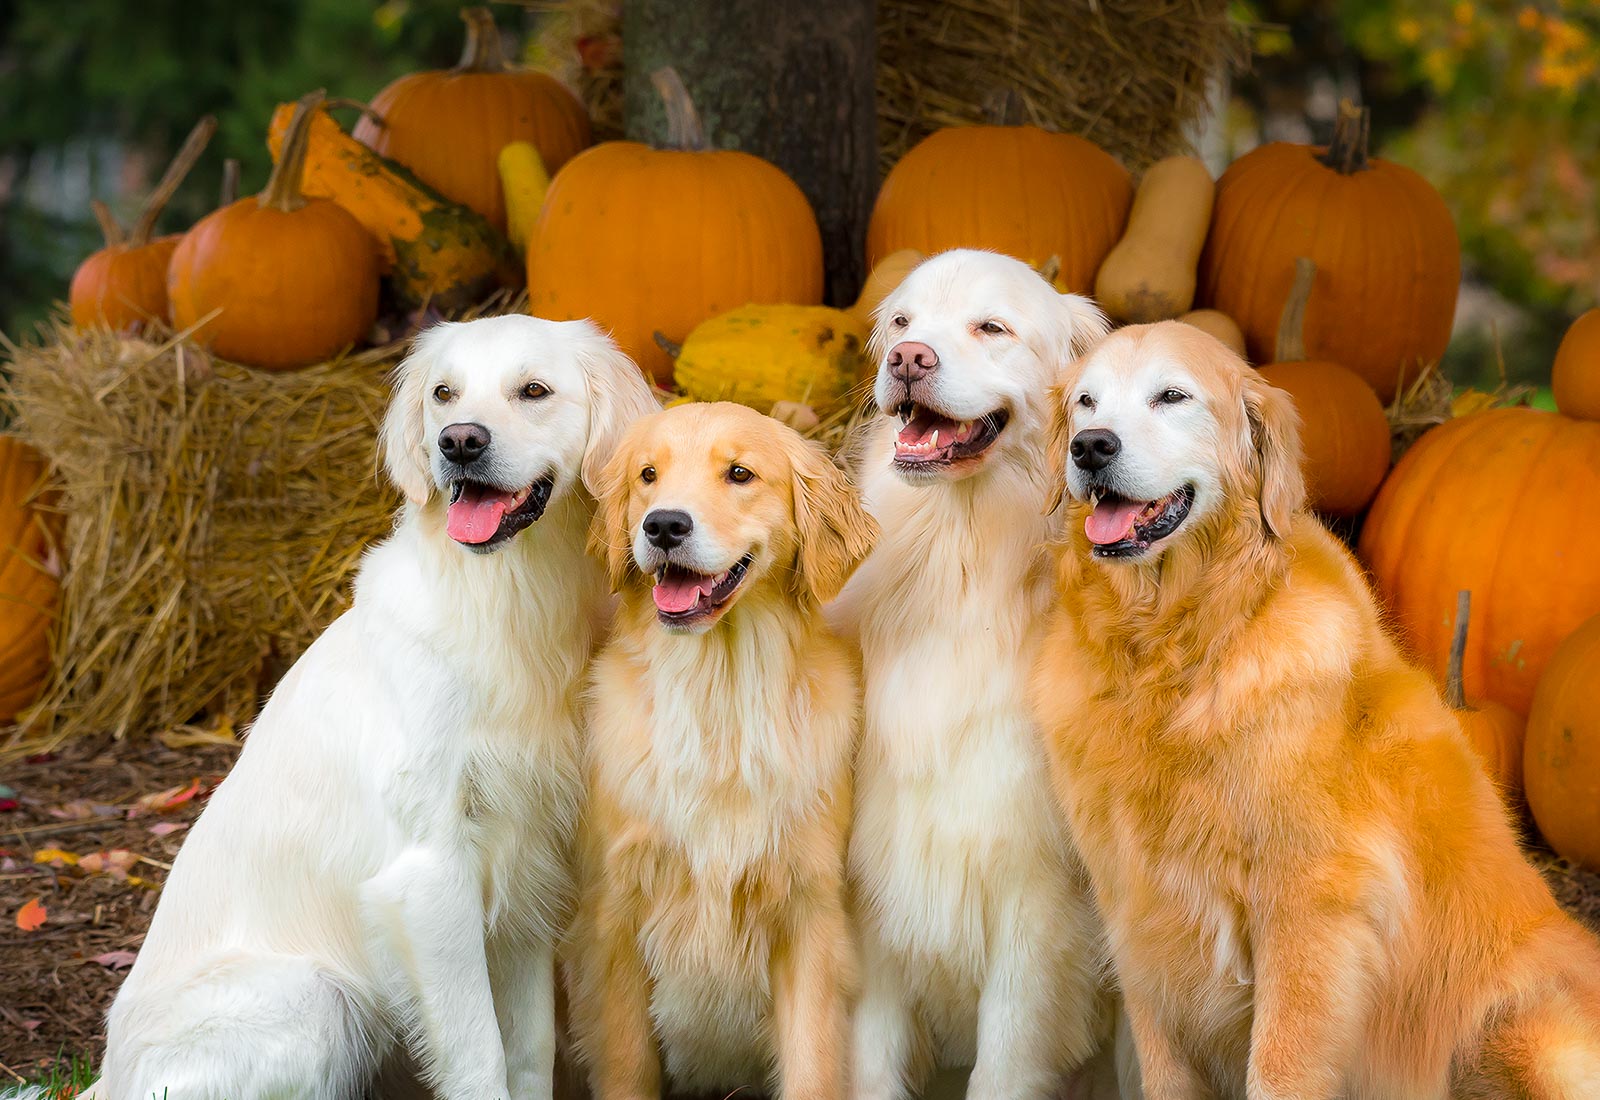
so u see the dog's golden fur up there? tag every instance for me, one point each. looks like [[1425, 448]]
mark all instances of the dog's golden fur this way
[[712, 947], [1310, 886]]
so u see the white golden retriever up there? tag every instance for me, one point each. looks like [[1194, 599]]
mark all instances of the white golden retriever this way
[[386, 869], [980, 945]]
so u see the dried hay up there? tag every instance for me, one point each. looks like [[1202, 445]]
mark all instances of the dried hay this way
[[214, 517], [1431, 399]]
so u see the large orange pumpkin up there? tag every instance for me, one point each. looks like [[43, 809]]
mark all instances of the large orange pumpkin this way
[[1388, 259], [1344, 434], [1561, 761], [28, 584], [650, 240], [1496, 502], [1020, 190], [291, 280], [124, 285], [1494, 730], [448, 126], [1575, 375]]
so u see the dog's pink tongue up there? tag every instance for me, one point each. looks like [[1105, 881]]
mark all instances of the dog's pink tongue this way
[[474, 516], [678, 592], [1111, 521]]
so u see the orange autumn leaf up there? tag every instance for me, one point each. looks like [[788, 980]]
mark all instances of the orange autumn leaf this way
[[162, 801], [31, 915]]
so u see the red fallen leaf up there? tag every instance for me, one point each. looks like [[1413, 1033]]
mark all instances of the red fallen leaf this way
[[31, 1025], [39, 758], [115, 960], [7, 805], [170, 799], [31, 915]]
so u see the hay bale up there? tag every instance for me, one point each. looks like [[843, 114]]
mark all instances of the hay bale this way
[[214, 516]]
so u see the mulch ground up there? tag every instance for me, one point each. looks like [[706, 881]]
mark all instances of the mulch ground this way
[[122, 811]]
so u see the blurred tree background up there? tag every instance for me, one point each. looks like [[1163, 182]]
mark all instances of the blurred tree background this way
[[1497, 102]]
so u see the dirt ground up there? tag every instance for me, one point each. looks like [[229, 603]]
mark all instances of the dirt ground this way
[[57, 981]]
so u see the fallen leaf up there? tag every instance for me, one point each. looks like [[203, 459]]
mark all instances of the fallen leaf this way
[[81, 809], [31, 1025], [31, 915], [55, 856], [184, 737], [115, 862], [115, 960], [169, 799], [7, 805], [166, 828]]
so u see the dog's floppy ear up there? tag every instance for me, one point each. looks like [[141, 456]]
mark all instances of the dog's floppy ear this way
[[834, 531], [400, 442], [608, 534], [1058, 434], [1275, 437], [618, 395], [1079, 326]]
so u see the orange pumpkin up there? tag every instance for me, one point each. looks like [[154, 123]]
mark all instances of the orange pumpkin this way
[[28, 580], [1494, 731], [1388, 259], [291, 280], [124, 285], [658, 240], [1495, 502], [1575, 376], [1344, 434], [448, 126], [1020, 190], [1561, 761]]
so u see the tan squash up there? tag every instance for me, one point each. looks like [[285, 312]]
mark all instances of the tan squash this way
[[1150, 274], [1220, 325]]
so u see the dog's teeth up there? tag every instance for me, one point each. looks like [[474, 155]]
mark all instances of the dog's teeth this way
[[934, 442], [964, 429]]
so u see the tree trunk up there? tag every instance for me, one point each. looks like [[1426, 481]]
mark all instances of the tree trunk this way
[[791, 82]]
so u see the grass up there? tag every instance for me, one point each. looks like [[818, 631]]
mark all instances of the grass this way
[[71, 1074]]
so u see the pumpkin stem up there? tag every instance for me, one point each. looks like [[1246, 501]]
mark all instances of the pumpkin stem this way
[[1454, 694], [188, 154], [1347, 152], [1003, 107], [283, 188], [482, 53], [683, 121], [109, 228], [665, 344], [1291, 347], [334, 103], [230, 183]]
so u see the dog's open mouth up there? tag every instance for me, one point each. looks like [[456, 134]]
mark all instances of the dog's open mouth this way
[[1123, 528], [684, 596], [930, 439], [483, 517]]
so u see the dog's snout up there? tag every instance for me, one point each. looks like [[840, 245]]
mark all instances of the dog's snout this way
[[667, 528], [1094, 448], [462, 443], [911, 360]]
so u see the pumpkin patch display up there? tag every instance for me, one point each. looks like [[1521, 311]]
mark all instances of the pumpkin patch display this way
[[1150, 274], [1344, 434], [28, 583], [277, 280], [1027, 192], [1388, 259], [1221, 326], [1486, 502], [763, 355], [124, 285], [1561, 759], [649, 240], [431, 250], [1494, 730], [1575, 375], [448, 126], [885, 275]]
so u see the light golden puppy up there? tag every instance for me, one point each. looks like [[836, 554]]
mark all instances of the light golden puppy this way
[[712, 938], [1310, 886]]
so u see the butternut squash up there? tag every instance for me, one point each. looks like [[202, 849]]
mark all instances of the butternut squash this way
[[1220, 325], [433, 251], [524, 180], [1150, 274]]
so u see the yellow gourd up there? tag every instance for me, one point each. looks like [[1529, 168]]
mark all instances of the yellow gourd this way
[[1218, 324], [1150, 274], [886, 274], [524, 180], [759, 355]]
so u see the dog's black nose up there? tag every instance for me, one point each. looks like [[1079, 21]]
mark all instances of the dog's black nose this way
[[1094, 448], [461, 443], [666, 528], [911, 361]]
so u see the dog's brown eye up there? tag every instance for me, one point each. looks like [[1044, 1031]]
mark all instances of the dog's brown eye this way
[[648, 474], [441, 393], [535, 390], [899, 320], [739, 475], [1086, 401], [1171, 397], [993, 328]]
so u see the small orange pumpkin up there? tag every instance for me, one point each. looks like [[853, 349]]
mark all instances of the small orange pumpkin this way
[[448, 126], [1561, 762], [1575, 376], [1494, 730], [1344, 434], [291, 280], [29, 590], [124, 285], [658, 240]]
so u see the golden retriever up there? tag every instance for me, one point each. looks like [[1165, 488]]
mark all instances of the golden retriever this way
[[980, 946], [712, 938], [1310, 886]]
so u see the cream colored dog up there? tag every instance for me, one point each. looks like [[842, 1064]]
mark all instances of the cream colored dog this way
[[712, 938], [980, 945], [386, 870]]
